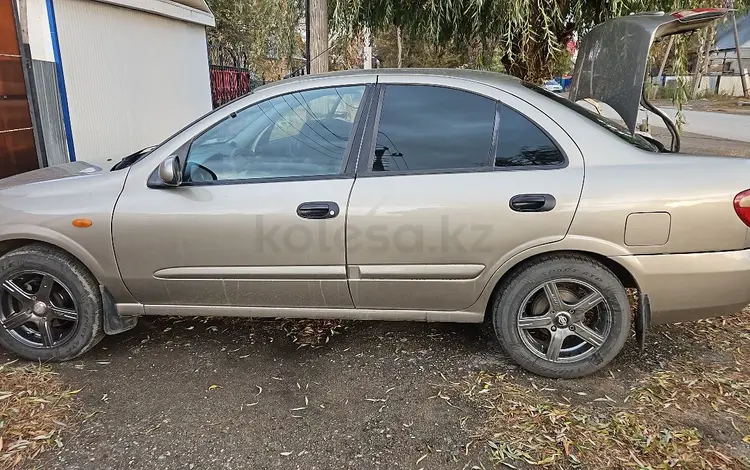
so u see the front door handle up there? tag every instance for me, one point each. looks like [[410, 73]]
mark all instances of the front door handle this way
[[532, 202], [318, 210]]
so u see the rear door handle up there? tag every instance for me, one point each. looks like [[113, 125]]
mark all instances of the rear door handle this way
[[318, 210], [532, 202]]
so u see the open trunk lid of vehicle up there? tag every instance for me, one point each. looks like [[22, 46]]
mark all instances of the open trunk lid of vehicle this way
[[612, 60]]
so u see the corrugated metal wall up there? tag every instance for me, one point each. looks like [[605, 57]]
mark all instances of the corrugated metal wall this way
[[50, 114], [132, 78]]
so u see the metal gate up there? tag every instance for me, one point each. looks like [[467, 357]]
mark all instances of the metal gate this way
[[231, 76]]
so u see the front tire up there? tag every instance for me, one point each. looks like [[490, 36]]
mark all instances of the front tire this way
[[50, 305], [562, 316]]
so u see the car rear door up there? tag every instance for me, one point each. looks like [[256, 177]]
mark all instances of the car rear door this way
[[458, 177]]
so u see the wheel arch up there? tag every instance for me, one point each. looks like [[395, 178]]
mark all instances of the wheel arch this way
[[621, 272], [113, 322], [59, 242]]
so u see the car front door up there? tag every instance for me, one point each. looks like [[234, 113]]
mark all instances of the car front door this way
[[258, 220], [460, 177]]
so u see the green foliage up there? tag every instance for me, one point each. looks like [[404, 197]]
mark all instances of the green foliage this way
[[256, 33], [421, 52], [680, 69], [527, 35]]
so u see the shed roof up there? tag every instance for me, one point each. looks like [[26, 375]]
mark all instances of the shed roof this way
[[191, 11], [725, 33]]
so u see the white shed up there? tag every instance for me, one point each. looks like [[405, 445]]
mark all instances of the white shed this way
[[114, 76]]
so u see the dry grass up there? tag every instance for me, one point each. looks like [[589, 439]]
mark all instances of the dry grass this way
[[693, 412], [34, 406], [300, 331], [313, 333]]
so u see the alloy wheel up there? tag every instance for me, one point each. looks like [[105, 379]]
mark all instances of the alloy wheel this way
[[564, 320], [37, 309]]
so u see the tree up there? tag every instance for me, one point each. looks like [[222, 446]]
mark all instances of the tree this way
[[256, 34], [419, 52], [525, 35]]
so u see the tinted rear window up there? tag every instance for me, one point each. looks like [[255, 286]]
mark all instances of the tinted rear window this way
[[426, 128], [521, 143]]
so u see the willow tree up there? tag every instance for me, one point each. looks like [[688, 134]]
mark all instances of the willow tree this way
[[527, 35], [256, 34]]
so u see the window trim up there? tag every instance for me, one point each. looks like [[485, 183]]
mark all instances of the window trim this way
[[347, 168], [370, 140], [564, 164], [495, 133]]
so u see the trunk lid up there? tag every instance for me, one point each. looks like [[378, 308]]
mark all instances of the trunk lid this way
[[612, 59]]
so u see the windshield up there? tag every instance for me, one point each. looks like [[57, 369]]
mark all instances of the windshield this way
[[608, 124], [290, 115]]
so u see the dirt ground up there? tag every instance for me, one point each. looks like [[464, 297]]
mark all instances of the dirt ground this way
[[233, 394], [200, 393], [703, 144], [719, 104]]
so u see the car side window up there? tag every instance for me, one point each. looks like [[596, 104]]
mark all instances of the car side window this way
[[426, 128], [520, 142], [298, 134]]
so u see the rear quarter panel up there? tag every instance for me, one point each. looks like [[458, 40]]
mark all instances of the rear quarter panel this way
[[696, 192]]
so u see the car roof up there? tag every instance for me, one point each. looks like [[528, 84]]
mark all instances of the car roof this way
[[495, 79]]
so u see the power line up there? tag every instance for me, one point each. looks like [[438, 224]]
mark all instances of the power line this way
[[299, 131], [293, 137], [309, 110], [398, 152], [305, 121]]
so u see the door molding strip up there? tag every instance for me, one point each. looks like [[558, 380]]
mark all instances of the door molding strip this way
[[416, 271], [231, 273]]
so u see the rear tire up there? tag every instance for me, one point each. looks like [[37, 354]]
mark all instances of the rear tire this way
[[563, 337], [50, 305]]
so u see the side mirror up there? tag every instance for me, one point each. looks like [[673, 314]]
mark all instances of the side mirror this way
[[170, 171]]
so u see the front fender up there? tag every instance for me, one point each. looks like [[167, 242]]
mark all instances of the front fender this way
[[99, 259], [43, 210], [51, 237]]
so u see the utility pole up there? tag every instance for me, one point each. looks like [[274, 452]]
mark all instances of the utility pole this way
[[664, 60], [711, 32], [307, 37], [318, 11], [739, 56], [702, 61], [398, 41], [367, 50]]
